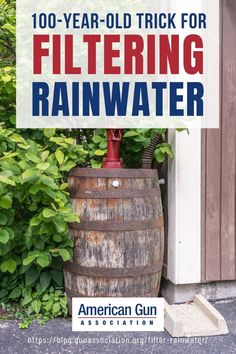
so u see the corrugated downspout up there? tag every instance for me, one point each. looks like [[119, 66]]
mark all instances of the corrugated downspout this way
[[147, 156]]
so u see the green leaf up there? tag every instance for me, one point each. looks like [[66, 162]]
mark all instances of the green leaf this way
[[130, 134], [68, 166], [96, 164], [17, 138], [57, 238], [61, 226], [163, 150], [8, 155], [43, 166], [4, 236], [57, 264], [24, 268], [45, 280], [48, 181], [56, 308], [35, 221], [39, 244], [65, 255], [5, 202], [51, 193], [46, 297], [97, 139], [30, 175], [46, 228], [38, 288], [36, 306], [59, 156], [48, 213], [64, 186], [4, 266], [8, 266], [29, 260], [32, 157], [48, 306], [63, 302], [31, 276], [7, 69], [72, 218], [44, 155], [49, 132], [6, 180], [11, 265], [3, 293], [160, 157], [27, 292], [26, 300], [23, 146], [57, 276], [3, 219], [43, 261], [15, 293], [166, 149], [103, 144], [99, 152], [5, 78], [35, 188]]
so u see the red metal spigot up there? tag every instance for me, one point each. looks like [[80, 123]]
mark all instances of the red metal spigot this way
[[113, 159]]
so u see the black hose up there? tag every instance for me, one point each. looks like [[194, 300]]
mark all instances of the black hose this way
[[147, 155]]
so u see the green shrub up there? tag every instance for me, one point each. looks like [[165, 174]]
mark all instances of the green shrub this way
[[7, 32], [34, 211], [34, 203]]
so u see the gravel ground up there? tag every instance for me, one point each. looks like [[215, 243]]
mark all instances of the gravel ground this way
[[56, 337]]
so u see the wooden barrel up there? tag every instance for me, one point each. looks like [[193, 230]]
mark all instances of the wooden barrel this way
[[118, 245]]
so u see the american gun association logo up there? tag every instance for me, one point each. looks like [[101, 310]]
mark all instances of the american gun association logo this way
[[118, 314]]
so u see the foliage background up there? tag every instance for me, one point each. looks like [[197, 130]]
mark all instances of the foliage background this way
[[34, 202]]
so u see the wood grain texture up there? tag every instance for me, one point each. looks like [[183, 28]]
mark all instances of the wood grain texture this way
[[228, 142], [219, 166], [203, 203], [213, 204], [134, 257]]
